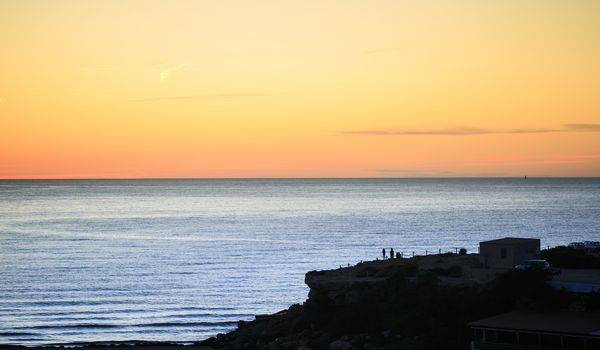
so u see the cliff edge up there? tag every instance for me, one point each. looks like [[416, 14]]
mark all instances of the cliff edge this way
[[423, 302]]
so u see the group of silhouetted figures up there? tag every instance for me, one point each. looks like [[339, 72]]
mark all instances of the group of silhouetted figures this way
[[392, 256]]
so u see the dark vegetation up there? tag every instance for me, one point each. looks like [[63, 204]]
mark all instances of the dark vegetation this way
[[452, 271], [386, 272], [567, 257], [408, 310]]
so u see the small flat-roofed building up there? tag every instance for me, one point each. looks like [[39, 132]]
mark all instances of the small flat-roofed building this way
[[530, 330], [508, 252]]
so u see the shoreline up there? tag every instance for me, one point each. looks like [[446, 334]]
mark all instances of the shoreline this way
[[141, 345], [382, 304]]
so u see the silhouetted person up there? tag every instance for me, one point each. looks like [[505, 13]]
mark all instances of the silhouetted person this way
[[398, 255], [391, 253], [383, 253]]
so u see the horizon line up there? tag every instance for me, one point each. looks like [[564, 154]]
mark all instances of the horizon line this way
[[304, 178]]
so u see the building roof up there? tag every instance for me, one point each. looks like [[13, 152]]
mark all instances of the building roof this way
[[576, 323], [512, 241]]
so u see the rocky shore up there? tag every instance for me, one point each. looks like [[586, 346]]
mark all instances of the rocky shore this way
[[424, 302], [419, 303]]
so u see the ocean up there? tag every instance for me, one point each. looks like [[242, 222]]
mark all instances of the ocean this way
[[182, 260]]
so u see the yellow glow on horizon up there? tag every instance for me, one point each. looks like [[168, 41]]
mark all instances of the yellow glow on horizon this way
[[342, 88]]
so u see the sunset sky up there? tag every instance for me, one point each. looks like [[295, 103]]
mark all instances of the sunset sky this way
[[346, 88]]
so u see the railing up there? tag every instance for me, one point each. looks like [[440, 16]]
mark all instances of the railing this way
[[454, 250], [413, 253]]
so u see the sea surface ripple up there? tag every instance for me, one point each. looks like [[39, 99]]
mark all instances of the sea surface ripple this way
[[182, 260]]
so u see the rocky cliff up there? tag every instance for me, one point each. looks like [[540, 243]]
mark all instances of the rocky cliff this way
[[418, 303]]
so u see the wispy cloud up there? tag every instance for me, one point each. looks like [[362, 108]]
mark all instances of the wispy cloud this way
[[396, 132], [527, 131], [467, 131], [165, 73], [399, 172], [201, 97], [582, 127], [584, 156]]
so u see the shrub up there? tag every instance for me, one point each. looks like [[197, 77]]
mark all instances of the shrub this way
[[452, 271], [366, 272], [567, 257]]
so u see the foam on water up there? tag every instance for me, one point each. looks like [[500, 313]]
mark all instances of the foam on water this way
[[181, 260]]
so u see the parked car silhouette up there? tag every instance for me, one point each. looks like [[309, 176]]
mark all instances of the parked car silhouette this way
[[534, 265]]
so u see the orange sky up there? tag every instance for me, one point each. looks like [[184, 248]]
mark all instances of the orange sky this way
[[346, 88]]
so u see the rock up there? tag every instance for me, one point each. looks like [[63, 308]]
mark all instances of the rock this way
[[363, 303], [340, 345], [274, 345]]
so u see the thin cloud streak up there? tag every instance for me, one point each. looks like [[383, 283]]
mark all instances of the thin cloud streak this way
[[165, 73], [465, 131], [202, 97], [451, 131], [412, 172], [528, 131], [584, 156], [431, 173], [582, 127]]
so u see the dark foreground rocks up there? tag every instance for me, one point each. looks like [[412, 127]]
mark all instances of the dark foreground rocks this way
[[399, 304]]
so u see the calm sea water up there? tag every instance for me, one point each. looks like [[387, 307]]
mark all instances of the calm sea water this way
[[182, 260]]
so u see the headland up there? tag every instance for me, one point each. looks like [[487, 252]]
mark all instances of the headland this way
[[422, 302]]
